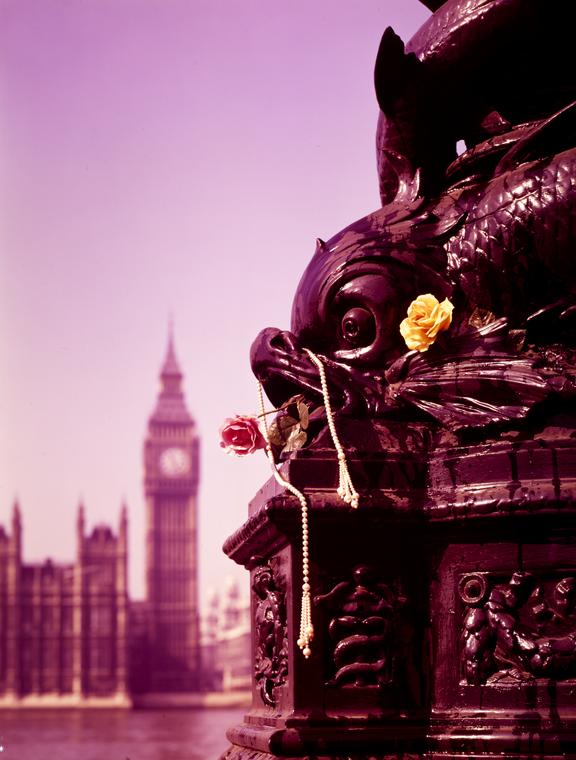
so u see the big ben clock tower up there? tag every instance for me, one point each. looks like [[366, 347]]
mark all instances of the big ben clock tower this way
[[171, 486]]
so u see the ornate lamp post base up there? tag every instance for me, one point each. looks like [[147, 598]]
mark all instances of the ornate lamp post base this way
[[444, 607]]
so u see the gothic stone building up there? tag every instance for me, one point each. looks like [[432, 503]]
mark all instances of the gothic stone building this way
[[63, 628], [65, 634]]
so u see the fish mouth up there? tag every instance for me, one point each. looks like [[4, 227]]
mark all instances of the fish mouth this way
[[285, 370], [283, 367]]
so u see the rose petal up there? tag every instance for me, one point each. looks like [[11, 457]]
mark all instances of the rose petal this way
[[241, 435], [426, 317]]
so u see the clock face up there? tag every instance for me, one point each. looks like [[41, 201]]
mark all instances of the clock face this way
[[174, 462]]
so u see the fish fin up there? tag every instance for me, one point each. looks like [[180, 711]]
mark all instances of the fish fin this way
[[550, 136], [440, 223], [407, 177], [475, 391], [398, 85], [395, 71], [475, 380]]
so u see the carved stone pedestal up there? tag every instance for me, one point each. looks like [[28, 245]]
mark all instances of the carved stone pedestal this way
[[444, 607]]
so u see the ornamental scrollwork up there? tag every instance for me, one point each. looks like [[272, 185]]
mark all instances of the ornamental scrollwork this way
[[271, 639], [519, 630], [362, 628]]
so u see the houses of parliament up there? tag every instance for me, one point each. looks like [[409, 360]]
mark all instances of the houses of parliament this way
[[69, 634]]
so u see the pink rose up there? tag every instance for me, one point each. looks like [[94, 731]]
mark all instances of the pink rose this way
[[241, 435]]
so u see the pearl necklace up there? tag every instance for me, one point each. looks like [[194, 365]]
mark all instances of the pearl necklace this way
[[346, 491]]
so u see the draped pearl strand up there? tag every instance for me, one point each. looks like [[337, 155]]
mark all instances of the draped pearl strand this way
[[346, 491]]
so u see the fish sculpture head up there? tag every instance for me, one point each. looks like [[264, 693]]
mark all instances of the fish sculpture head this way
[[348, 307]]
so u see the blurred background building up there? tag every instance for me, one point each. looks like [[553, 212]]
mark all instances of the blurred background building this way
[[226, 641], [69, 635], [63, 628]]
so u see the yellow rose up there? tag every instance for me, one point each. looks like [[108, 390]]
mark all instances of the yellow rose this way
[[426, 318]]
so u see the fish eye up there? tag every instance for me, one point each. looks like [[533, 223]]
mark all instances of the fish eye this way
[[358, 327]]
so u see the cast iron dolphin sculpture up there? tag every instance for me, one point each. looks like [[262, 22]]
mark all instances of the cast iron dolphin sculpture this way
[[494, 230]]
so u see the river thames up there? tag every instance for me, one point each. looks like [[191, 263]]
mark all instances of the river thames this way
[[115, 734]]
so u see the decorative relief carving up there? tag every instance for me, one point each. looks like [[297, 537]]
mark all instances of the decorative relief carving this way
[[362, 629], [271, 655], [518, 630]]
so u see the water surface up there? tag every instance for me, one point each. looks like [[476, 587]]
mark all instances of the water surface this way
[[115, 734]]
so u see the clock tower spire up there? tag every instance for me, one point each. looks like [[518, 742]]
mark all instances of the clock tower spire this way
[[171, 405], [171, 486]]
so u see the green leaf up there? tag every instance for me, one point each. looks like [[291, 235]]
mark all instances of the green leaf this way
[[281, 428], [480, 318], [303, 414], [276, 438], [517, 338], [293, 400], [296, 440], [285, 422]]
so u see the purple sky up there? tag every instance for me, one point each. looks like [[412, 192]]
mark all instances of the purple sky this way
[[157, 158]]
